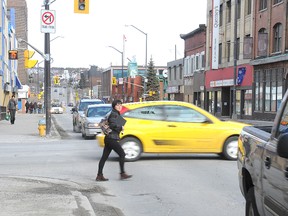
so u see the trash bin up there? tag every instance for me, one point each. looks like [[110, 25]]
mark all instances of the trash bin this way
[[42, 127]]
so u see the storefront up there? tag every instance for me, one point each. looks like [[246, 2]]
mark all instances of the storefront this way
[[219, 87]]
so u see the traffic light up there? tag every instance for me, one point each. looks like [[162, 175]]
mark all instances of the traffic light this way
[[150, 93], [81, 6], [13, 54], [114, 81], [29, 63]]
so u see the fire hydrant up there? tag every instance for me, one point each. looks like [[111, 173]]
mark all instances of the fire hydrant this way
[[42, 127]]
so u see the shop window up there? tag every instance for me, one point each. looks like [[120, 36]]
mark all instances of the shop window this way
[[219, 99], [268, 90], [248, 102], [238, 102]]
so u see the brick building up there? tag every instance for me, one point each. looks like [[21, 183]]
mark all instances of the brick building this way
[[269, 57]]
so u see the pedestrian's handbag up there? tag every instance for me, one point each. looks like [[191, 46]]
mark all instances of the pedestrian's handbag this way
[[7, 117], [104, 125]]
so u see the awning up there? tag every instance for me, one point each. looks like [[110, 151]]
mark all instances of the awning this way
[[18, 83]]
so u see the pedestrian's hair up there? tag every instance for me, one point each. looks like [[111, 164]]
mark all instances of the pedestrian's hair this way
[[115, 102], [13, 96]]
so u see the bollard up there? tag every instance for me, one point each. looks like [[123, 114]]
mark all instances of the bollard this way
[[42, 127]]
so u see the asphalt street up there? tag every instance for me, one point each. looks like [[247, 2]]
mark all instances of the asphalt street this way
[[54, 197]]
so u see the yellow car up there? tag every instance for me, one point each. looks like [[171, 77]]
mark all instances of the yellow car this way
[[175, 127]]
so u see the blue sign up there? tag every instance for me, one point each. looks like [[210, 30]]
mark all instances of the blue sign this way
[[241, 74]]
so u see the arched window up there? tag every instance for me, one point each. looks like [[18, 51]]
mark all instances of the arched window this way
[[277, 37]]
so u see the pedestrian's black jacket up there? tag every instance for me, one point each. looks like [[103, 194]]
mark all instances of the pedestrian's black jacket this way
[[116, 129]]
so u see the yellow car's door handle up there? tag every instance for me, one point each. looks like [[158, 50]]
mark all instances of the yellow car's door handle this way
[[171, 125]]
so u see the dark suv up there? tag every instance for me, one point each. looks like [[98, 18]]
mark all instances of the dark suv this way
[[78, 111]]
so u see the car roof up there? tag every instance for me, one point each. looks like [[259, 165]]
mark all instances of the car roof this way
[[99, 105], [90, 100]]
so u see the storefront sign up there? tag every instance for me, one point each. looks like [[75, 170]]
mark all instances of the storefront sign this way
[[219, 83]]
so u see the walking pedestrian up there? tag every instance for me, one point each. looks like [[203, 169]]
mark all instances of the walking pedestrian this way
[[27, 106], [112, 143], [12, 109]]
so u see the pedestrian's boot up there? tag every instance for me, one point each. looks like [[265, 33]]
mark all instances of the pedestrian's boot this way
[[100, 177], [124, 176]]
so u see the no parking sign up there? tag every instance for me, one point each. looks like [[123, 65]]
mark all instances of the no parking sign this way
[[48, 21]]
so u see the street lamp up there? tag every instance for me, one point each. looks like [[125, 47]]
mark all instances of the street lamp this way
[[145, 56], [122, 70]]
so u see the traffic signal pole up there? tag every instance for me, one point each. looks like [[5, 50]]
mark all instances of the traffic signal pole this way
[[47, 82]]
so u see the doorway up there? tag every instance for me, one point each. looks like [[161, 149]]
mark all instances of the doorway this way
[[226, 101]]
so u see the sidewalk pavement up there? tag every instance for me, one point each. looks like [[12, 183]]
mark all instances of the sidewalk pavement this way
[[25, 128]]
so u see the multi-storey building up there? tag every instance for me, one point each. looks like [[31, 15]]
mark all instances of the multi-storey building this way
[[21, 28], [194, 64], [270, 57], [8, 68], [228, 53]]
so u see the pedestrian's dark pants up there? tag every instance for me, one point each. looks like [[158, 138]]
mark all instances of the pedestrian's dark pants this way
[[111, 144], [12, 115]]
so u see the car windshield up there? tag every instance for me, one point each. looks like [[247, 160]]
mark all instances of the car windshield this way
[[83, 105], [98, 111], [55, 105]]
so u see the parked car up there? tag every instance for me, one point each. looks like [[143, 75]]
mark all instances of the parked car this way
[[263, 165], [70, 104], [175, 127], [78, 112], [92, 117], [56, 108]]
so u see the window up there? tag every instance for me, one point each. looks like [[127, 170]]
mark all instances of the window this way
[[228, 50], [277, 1], [197, 62], [228, 4], [175, 73], [262, 4], [149, 112], [248, 7], [277, 40], [238, 9], [221, 15], [270, 81], [182, 114], [238, 48], [220, 54]]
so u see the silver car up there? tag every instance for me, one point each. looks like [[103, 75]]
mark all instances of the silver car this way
[[93, 115]]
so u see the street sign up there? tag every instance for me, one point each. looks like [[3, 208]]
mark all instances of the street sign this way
[[48, 21]]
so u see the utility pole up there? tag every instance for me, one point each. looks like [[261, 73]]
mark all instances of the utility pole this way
[[47, 85], [234, 114]]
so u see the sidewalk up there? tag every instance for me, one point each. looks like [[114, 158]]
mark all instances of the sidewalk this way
[[24, 129]]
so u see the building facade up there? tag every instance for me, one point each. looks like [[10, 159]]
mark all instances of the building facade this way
[[270, 55], [229, 74], [194, 64]]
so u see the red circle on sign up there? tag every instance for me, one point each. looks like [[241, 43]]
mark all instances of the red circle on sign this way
[[48, 18]]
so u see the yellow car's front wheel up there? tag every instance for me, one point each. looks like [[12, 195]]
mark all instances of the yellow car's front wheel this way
[[132, 148]]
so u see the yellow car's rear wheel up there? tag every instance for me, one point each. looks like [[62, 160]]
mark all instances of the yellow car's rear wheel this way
[[230, 148], [132, 148]]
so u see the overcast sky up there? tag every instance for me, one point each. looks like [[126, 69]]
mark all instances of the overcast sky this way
[[86, 37]]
